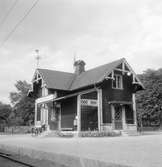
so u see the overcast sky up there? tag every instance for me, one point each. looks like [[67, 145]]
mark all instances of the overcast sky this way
[[99, 31]]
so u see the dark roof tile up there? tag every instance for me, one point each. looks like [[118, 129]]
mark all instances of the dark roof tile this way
[[70, 81], [57, 79], [94, 75]]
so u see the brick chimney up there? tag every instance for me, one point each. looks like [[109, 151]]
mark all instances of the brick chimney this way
[[79, 66]]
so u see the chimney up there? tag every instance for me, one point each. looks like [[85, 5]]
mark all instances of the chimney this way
[[79, 66]]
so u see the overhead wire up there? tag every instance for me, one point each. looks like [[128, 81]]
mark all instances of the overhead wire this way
[[8, 13], [18, 24]]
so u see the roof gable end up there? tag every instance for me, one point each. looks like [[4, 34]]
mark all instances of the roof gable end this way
[[70, 81]]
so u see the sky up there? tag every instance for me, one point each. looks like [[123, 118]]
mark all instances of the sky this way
[[96, 31]]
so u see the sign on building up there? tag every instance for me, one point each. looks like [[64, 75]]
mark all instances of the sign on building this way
[[89, 102]]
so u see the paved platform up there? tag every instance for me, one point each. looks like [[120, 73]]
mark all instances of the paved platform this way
[[136, 151]]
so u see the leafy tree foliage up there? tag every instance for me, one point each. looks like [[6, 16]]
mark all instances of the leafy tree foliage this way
[[149, 101], [23, 106], [5, 110]]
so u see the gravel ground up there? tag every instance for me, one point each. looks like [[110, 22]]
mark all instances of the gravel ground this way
[[137, 151], [7, 163]]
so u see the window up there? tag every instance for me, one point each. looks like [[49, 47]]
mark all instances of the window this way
[[117, 83], [44, 91]]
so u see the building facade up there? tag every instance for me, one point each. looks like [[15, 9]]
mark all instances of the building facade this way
[[100, 99]]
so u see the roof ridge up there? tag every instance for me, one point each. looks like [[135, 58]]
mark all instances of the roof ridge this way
[[71, 81], [112, 64], [54, 70], [105, 64], [84, 71]]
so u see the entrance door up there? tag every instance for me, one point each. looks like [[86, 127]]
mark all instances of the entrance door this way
[[89, 118], [118, 117]]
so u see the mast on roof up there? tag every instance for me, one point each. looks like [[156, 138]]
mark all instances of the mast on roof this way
[[37, 58]]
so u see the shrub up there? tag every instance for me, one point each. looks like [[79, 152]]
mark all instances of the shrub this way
[[99, 134]]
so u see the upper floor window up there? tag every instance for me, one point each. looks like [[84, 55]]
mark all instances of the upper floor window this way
[[44, 91], [117, 83]]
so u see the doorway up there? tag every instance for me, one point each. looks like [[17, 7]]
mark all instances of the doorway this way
[[89, 118], [118, 117]]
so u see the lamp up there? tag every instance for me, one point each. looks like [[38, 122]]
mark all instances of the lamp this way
[[128, 73]]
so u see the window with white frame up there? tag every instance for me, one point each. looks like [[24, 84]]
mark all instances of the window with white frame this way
[[44, 91], [117, 82]]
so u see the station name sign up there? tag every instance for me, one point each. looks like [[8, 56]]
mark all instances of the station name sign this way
[[89, 102]]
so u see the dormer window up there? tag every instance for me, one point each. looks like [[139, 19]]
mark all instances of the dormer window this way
[[117, 83]]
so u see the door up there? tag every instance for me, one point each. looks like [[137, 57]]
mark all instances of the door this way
[[118, 117], [89, 118]]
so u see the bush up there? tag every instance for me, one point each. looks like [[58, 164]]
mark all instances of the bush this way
[[99, 134]]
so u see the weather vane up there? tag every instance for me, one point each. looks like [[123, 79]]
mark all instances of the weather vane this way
[[37, 57]]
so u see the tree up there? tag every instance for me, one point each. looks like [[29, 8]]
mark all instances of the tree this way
[[23, 106], [149, 101], [5, 110]]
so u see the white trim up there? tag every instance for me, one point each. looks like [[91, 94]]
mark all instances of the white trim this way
[[99, 109], [41, 116], [101, 106], [45, 98], [112, 74], [47, 115], [78, 113], [106, 76], [44, 115], [35, 114], [125, 71], [44, 91], [87, 91], [75, 94], [134, 74], [123, 118], [38, 78], [113, 116], [59, 127], [43, 84], [121, 81], [134, 108]]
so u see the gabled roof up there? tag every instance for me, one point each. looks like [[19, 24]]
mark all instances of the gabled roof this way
[[56, 79], [70, 81], [94, 75]]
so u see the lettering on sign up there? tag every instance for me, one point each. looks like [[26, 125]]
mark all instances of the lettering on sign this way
[[89, 102]]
